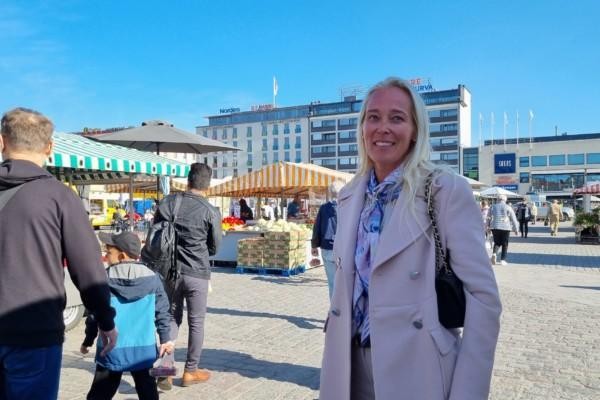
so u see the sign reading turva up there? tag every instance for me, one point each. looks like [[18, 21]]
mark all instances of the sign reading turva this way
[[504, 163]]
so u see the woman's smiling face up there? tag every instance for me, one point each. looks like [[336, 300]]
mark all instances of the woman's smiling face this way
[[388, 129]]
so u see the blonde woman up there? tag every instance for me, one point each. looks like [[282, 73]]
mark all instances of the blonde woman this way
[[383, 337]]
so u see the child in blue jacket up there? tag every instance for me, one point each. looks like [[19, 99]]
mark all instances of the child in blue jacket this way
[[138, 296]]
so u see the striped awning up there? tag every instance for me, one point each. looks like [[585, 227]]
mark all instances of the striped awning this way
[[593, 188], [145, 186], [77, 152], [281, 179]]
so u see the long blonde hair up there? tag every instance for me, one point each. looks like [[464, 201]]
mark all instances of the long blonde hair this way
[[416, 164]]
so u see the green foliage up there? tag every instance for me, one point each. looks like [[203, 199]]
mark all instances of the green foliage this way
[[587, 219]]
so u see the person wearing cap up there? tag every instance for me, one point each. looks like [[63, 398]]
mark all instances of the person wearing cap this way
[[142, 306], [43, 227]]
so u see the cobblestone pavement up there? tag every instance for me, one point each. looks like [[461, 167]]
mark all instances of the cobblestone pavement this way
[[264, 333]]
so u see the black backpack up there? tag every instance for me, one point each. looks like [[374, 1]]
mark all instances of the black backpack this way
[[160, 250]]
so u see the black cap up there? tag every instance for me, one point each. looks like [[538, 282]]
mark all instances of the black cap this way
[[127, 242]]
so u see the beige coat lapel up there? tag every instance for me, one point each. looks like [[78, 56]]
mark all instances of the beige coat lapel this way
[[402, 229], [350, 204]]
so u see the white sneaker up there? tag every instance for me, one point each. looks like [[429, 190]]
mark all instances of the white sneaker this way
[[503, 262], [494, 259]]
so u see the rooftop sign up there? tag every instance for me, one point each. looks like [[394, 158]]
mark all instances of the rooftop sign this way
[[421, 84]]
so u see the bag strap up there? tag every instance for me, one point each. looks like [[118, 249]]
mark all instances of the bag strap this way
[[6, 195], [440, 253], [178, 199]]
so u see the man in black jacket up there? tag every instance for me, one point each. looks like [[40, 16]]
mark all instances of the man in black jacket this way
[[198, 227], [42, 223]]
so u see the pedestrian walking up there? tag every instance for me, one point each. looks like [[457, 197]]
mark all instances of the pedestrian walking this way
[[554, 217], [383, 336], [324, 231], [42, 224], [142, 310], [198, 232], [534, 213], [523, 216], [500, 220]]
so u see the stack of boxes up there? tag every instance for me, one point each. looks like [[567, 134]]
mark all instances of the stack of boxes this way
[[251, 252], [276, 250]]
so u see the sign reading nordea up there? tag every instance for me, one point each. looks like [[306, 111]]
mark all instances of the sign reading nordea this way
[[504, 163], [512, 188]]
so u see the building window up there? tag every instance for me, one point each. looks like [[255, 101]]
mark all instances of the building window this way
[[576, 159], [265, 146], [214, 162], [276, 157], [593, 158], [205, 133], [323, 149], [347, 122], [275, 129], [249, 169], [539, 161], [558, 159], [347, 135], [265, 160], [286, 143], [523, 162], [448, 127], [248, 131], [234, 133], [235, 143], [249, 146], [298, 142], [298, 128], [235, 172], [275, 144], [449, 156], [224, 133], [287, 156], [225, 162], [298, 157], [344, 148], [249, 162], [214, 135], [286, 128], [264, 129], [524, 177]]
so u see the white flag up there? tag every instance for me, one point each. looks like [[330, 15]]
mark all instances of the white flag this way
[[505, 119], [275, 87], [530, 115]]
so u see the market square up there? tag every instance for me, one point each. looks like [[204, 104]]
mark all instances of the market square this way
[[264, 337]]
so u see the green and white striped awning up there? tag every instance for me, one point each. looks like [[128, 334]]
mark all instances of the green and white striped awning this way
[[80, 153]]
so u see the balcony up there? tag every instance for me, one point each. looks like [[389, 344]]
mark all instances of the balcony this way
[[346, 167], [443, 133], [320, 142], [435, 120], [445, 147], [322, 154], [322, 128], [347, 153]]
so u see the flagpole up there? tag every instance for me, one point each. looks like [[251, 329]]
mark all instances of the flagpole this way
[[492, 122], [504, 131], [530, 137], [517, 129], [480, 130]]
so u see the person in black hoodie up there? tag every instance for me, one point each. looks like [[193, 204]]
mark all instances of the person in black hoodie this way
[[42, 224]]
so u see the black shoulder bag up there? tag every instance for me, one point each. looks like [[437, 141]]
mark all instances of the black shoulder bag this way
[[450, 293]]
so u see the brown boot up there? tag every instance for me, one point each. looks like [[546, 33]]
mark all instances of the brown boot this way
[[164, 383], [193, 377]]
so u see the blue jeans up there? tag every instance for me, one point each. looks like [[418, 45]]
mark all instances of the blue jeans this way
[[329, 263], [29, 373]]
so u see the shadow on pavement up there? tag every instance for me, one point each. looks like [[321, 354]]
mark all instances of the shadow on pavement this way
[[543, 239], [564, 260], [250, 367], [76, 360], [300, 322], [581, 287], [297, 280]]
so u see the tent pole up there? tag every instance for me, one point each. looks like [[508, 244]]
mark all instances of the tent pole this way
[[131, 209], [157, 176]]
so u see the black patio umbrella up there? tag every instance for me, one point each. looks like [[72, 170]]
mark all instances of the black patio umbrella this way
[[157, 136]]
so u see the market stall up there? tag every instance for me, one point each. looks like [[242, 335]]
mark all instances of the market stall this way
[[279, 180]]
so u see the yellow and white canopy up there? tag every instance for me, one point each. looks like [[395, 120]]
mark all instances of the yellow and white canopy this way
[[281, 179]]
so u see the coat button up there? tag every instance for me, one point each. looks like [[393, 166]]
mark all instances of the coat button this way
[[414, 275], [418, 324], [335, 312]]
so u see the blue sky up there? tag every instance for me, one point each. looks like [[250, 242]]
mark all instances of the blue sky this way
[[102, 64]]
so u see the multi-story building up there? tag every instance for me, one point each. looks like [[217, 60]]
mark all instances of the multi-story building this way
[[548, 165], [264, 136], [325, 133]]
